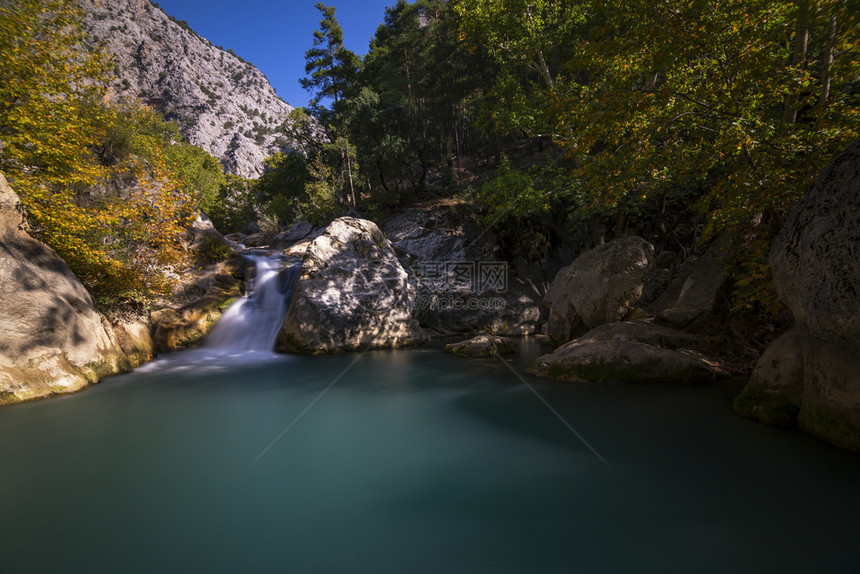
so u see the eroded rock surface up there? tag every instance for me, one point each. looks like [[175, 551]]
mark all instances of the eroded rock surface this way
[[816, 269], [184, 326], [52, 339], [353, 294], [600, 286]]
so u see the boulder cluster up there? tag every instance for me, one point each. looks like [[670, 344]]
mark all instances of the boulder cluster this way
[[620, 312]]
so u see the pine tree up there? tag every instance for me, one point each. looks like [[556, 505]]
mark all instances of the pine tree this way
[[329, 65]]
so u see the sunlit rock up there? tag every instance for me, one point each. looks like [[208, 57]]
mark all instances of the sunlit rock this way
[[134, 337], [185, 325], [52, 339], [222, 103], [353, 293]]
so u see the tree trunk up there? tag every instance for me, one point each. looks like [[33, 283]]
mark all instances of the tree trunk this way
[[827, 65], [544, 70], [651, 82], [351, 186], [801, 41]]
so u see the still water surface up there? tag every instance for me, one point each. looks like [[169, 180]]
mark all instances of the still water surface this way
[[413, 461]]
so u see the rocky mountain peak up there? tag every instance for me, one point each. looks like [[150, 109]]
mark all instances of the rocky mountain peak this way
[[222, 103]]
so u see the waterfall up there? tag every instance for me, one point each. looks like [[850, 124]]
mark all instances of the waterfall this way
[[252, 323]]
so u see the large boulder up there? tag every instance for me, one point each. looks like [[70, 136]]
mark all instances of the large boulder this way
[[600, 286], [630, 352], [692, 292], [353, 293], [52, 339], [816, 269]]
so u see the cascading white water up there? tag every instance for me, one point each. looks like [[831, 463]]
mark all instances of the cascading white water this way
[[252, 323]]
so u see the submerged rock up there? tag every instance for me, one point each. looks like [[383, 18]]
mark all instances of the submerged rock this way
[[816, 269], [600, 286], [353, 293], [482, 346], [52, 339], [630, 352]]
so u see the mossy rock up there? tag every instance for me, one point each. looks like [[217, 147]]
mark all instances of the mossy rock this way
[[837, 427], [768, 407]]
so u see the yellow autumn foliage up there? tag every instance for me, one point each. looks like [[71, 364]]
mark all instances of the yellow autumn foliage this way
[[121, 241]]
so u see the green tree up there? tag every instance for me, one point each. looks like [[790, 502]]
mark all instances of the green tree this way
[[413, 111], [63, 148], [732, 107], [330, 66]]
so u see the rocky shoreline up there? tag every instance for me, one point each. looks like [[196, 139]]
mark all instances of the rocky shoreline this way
[[621, 312]]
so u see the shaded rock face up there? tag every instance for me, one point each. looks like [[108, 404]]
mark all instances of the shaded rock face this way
[[692, 293], [427, 236], [775, 389], [353, 293], [222, 103], [482, 346], [52, 339], [816, 269], [600, 286], [449, 310], [629, 352], [300, 233], [462, 288]]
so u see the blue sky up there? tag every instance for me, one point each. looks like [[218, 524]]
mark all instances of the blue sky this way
[[274, 35]]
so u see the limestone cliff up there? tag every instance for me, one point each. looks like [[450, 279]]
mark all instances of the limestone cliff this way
[[222, 103]]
